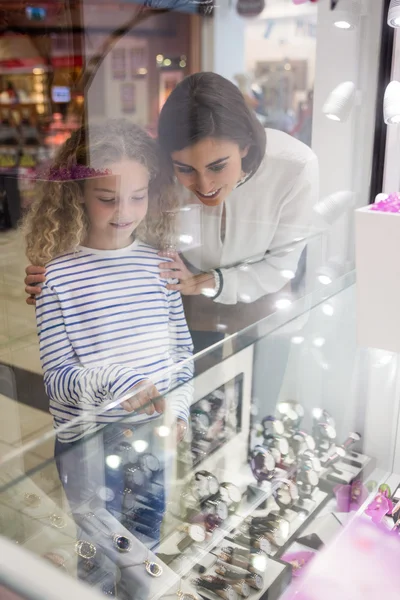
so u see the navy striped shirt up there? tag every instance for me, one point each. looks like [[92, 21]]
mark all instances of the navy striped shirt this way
[[107, 322]]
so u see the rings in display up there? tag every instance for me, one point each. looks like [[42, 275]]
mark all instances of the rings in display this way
[[85, 549]]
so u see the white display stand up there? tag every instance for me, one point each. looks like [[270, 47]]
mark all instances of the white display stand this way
[[378, 279]]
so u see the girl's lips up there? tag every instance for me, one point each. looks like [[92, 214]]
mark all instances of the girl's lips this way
[[121, 225]]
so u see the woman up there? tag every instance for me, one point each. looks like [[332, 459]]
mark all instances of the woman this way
[[256, 190]]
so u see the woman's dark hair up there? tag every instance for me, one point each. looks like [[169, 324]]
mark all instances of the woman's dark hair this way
[[208, 105]]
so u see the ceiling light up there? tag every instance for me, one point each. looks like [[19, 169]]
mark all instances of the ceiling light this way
[[391, 103], [347, 15], [394, 14], [340, 101]]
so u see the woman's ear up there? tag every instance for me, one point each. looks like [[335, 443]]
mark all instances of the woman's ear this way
[[244, 152]]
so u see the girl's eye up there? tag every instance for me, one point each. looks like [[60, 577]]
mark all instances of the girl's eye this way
[[185, 169], [107, 200], [138, 198], [218, 168]]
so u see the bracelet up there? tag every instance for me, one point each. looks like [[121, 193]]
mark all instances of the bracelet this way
[[218, 284]]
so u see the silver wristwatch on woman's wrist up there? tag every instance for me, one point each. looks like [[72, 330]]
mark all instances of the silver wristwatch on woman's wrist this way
[[218, 284]]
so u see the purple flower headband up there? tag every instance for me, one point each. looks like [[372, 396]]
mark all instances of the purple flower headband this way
[[74, 172]]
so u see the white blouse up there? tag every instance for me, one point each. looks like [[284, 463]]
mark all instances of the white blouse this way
[[270, 210]]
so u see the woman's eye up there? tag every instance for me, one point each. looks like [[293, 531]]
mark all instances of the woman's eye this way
[[186, 170], [218, 168], [107, 200], [138, 198]]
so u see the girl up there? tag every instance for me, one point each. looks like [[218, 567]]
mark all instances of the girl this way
[[112, 336]]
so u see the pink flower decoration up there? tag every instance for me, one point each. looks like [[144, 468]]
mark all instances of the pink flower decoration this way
[[389, 204], [380, 506]]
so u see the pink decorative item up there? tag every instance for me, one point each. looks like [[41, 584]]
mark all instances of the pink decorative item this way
[[389, 204], [360, 564], [299, 1], [298, 561], [350, 497], [380, 506]]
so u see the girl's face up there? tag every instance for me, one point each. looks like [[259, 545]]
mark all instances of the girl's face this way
[[116, 204], [210, 169]]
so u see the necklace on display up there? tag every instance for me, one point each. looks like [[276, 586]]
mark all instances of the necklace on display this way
[[123, 544]]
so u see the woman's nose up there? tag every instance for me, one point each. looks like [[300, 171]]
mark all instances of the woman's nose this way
[[204, 183]]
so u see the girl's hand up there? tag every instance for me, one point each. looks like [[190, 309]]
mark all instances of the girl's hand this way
[[189, 284], [181, 430], [148, 400], [34, 275]]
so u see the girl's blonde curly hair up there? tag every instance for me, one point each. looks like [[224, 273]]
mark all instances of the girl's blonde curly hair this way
[[56, 222]]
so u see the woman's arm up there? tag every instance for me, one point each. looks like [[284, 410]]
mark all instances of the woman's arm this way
[[249, 282], [68, 383]]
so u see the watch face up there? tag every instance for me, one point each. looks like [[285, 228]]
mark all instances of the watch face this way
[[284, 496], [276, 455], [205, 405], [264, 545], [230, 493], [269, 463], [283, 446], [150, 462], [222, 510], [201, 421], [213, 485], [272, 426], [135, 476], [231, 594], [197, 533], [312, 478]]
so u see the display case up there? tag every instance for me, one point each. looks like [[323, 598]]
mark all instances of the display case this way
[[284, 446]]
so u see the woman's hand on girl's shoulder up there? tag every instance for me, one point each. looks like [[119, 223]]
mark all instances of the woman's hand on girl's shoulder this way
[[34, 276], [188, 284]]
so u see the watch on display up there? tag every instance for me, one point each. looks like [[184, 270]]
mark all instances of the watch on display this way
[[149, 464], [291, 413], [262, 464], [286, 495], [258, 542], [338, 455], [127, 453], [352, 438], [308, 460], [272, 427], [274, 527], [254, 580], [204, 485], [250, 560], [301, 441], [217, 586], [308, 477], [231, 495], [201, 422], [195, 534], [134, 477], [216, 507]]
